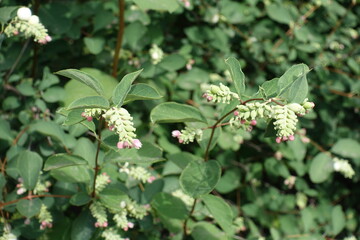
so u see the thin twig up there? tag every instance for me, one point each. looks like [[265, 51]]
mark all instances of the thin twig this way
[[17, 60], [119, 37], [97, 168], [186, 220], [19, 135], [31, 197]]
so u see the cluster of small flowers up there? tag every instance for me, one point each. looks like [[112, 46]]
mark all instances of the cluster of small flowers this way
[[138, 173], [350, 238], [102, 181], [301, 200], [135, 210], [290, 181], [120, 121], [7, 234], [112, 234], [39, 188], [188, 134], [122, 221], [29, 25], [156, 54], [239, 224], [219, 94], [99, 213], [285, 117], [343, 166], [184, 197], [132, 209], [45, 218]]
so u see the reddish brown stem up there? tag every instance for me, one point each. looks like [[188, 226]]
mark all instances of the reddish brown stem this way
[[119, 38], [31, 197]]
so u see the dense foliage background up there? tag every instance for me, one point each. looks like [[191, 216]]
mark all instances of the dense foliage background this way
[[181, 45]]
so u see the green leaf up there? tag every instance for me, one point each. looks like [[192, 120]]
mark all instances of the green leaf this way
[[207, 231], [237, 75], [229, 181], [298, 90], [63, 160], [5, 131], [182, 159], [89, 102], [112, 197], [172, 62], [84, 78], [289, 77], [75, 89], [142, 91], [160, 5], [279, 13], [83, 226], [347, 147], [72, 174], [171, 112], [307, 218], [5, 13], [29, 208], [148, 153], [29, 165], [51, 129], [123, 88], [169, 206], [206, 137], [320, 168], [80, 199], [200, 178], [269, 88], [221, 212], [94, 44], [337, 220]]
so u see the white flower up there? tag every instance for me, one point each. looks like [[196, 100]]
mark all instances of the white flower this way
[[34, 19], [24, 13]]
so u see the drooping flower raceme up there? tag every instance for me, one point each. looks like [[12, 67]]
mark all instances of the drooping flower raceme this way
[[45, 218], [120, 121], [343, 166], [188, 134], [99, 213], [112, 234], [102, 181], [29, 25], [219, 93], [156, 54]]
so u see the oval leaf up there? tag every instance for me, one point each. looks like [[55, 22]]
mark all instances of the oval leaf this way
[[123, 88], [142, 91], [169, 206], [63, 160], [80, 199], [29, 208], [200, 178], [221, 212], [237, 75], [29, 165], [171, 112], [83, 78], [72, 174], [89, 102], [320, 168]]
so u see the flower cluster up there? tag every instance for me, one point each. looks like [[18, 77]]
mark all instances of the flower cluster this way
[[156, 54], [45, 218], [7, 234], [343, 166], [131, 209], [99, 213], [112, 234], [188, 134], [102, 181], [138, 173], [29, 25], [285, 117], [219, 93], [41, 187], [120, 121]]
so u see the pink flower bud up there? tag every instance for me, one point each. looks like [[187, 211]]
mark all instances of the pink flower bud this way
[[105, 224], [243, 121], [176, 133], [83, 114], [291, 138], [284, 138], [253, 122], [209, 98], [130, 224], [278, 140], [27, 221], [89, 119], [250, 128], [125, 229], [16, 32], [111, 127], [181, 141], [48, 38], [127, 145], [136, 143], [305, 139], [236, 113], [205, 95], [97, 224], [151, 179], [120, 145], [20, 191]]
